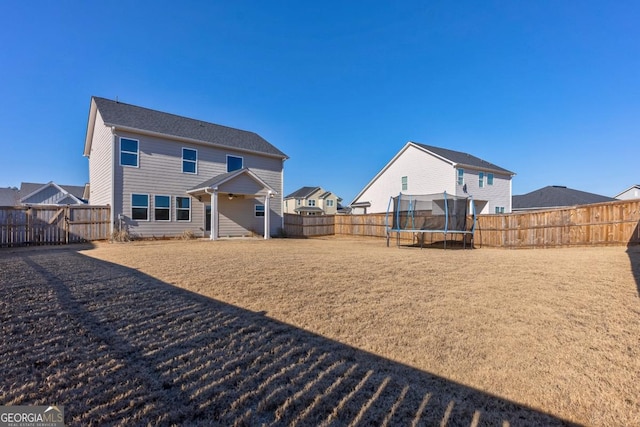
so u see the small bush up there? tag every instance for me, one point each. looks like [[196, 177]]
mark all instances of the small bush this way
[[122, 235], [188, 235]]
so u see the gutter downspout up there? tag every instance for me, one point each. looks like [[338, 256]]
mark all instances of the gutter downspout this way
[[112, 214], [267, 216]]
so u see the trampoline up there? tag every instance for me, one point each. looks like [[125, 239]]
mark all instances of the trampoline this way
[[429, 214]]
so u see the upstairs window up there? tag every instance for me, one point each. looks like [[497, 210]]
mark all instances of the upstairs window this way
[[489, 179], [234, 163], [499, 209], [298, 202], [329, 203], [183, 208], [128, 152], [162, 208], [460, 176], [140, 207], [311, 202], [481, 179], [259, 210], [189, 160], [405, 183]]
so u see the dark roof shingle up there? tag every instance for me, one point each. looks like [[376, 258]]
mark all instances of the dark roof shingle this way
[[464, 158], [130, 116], [302, 193], [555, 196]]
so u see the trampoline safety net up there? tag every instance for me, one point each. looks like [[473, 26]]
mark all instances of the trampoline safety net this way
[[437, 212]]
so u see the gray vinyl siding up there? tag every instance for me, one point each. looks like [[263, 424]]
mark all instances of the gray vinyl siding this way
[[159, 172], [100, 164], [237, 218], [49, 196]]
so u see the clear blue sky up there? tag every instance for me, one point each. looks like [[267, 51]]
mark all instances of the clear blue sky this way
[[547, 89]]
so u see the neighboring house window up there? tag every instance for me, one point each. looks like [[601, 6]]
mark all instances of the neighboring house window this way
[[189, 160], [183, 208], [499, 209], [311, 202], [128, 152], [481, 179], [140, 207], [489, 179], [162, 208], [329, 203], [259, 210], [460, 176], [298, 202], [405, 183], [234, 163]]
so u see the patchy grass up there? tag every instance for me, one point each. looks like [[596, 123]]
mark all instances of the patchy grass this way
[[323, 331]]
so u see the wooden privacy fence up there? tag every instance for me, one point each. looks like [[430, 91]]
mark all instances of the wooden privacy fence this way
[[53, 225], [611, 223], [309, 225]]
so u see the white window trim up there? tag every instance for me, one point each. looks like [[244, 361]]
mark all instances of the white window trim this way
[[137, 153], [155, 207], [190, 161], [148, 207], [238, 157], [480, 179], [329, 203], [311, 204], [460, 176], [404, 183], [490, 181], [183, 209]]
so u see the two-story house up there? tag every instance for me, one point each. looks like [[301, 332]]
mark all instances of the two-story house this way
[[424, 169], [164, 174], [311, 201]]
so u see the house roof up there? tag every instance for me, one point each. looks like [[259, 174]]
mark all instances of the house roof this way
[[140, 119], [302, 193], [225, 177], [30, 188], [9, 196], [555, 196], [308, 209], [464, 159]]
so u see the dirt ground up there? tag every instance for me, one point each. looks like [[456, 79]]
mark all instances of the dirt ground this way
[[510, 335]]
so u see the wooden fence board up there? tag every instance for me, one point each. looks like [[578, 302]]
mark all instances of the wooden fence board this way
[[53, 225]]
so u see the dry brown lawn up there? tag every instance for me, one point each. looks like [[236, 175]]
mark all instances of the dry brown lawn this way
[[474, 337]]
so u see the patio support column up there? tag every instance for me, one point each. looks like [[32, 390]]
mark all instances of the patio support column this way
[[214, 215], [267, 210]]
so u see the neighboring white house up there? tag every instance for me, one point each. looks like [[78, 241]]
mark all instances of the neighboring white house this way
[[164, 174], [630, 193], [424, 169], [311, 201]]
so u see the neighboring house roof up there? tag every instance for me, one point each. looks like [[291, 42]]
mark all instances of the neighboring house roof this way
[[9, 196], [633, 187], [555, 196], [308, 209], [74, 193], [140, 119], [463, 159], [302, 193]]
